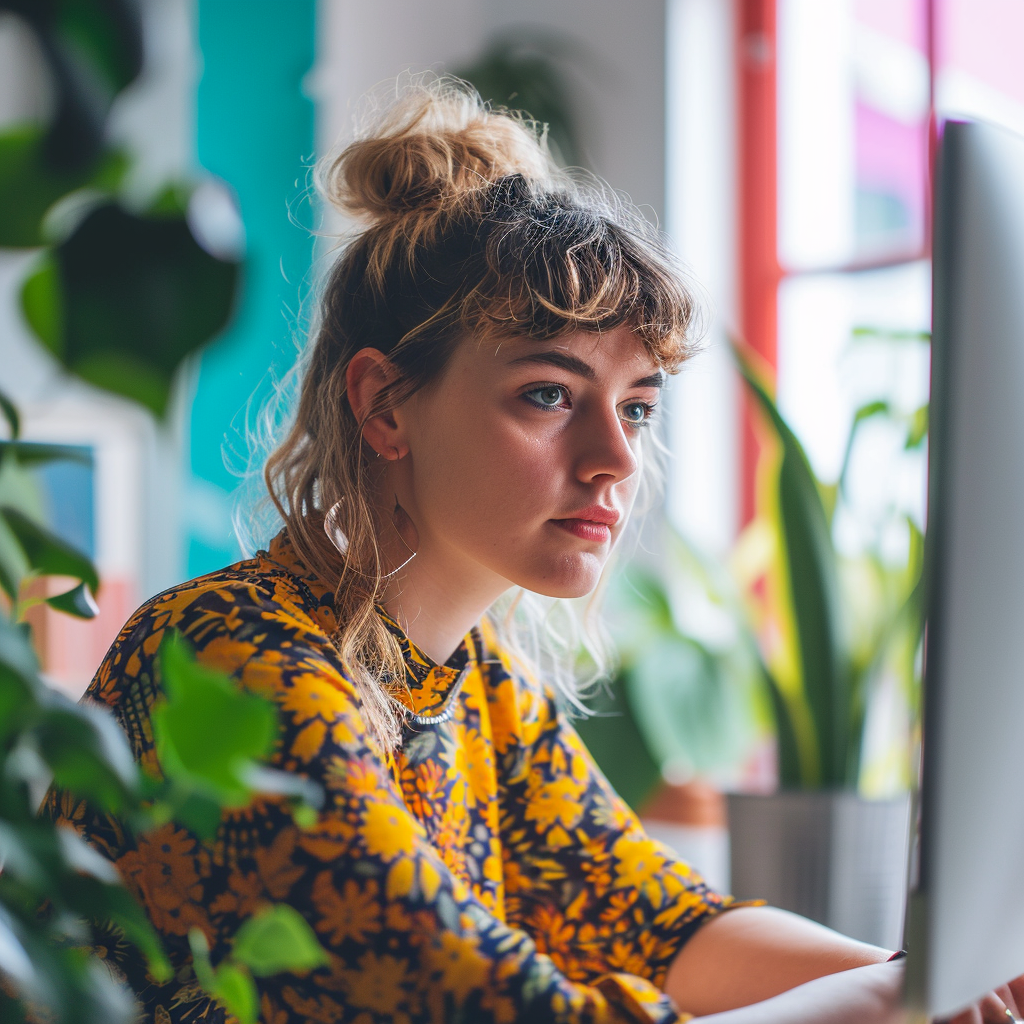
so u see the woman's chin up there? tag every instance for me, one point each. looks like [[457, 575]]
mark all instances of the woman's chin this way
[[570, 576]]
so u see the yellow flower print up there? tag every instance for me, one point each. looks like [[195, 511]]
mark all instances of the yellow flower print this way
[[328, 839], [625, 956], [244, 895], [165, 870], [478, 766], [388, 831], [271, 1014], [377, 984], [276, 863], [463, 970], [619, 905], [555, 802], [679, 907], [423, 787], [318, 1009], [309, 740], [638, 861], [310, 696], [353, 913], [553, 933], [226, 654]]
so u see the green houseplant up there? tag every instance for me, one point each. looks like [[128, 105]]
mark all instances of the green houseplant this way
[[817, 847], [120, 294]]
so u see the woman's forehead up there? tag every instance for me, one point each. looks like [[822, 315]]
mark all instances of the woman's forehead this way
[[588, 354]]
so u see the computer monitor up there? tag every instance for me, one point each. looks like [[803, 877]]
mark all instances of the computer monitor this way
[[965, 925]]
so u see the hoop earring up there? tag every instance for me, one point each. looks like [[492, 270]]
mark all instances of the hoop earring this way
[[340, 543]]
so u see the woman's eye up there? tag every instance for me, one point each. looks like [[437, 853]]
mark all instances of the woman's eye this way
[[550, 396], [637, 413]]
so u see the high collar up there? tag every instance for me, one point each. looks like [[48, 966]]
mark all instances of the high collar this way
[[430, 689]]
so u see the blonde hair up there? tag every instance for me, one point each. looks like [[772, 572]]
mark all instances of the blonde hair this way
[[467, 229]]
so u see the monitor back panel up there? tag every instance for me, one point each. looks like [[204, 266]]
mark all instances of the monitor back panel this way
[[966, 925]]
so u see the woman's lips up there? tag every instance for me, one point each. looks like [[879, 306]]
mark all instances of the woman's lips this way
[[585, 529]]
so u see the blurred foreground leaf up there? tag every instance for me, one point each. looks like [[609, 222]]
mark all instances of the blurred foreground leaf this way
[[126, 298], [210, 733], [278, 939], [46, 553], [30, 186]]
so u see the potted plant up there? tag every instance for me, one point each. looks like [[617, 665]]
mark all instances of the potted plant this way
[[816, 846]]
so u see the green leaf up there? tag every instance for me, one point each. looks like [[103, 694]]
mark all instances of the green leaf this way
[[19, 489], [16, 654], [15, 962], [918, 428], [133, 297], [864, 413], [28, 187], [208, 730], [230, 985], [42, 304], [18, 854], [791, 774], [108, 35], [46, 553], [278, 939], [684, 698], [83, 858], [199, 814], [299, 788], [615, 741], [817, 605], [78, 602], [20, 688], [88, 752], [129, 375], [32, 453], [235, 990], [891, 335], [105, 903], [10, 413]]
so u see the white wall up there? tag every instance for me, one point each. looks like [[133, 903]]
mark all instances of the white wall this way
[[701, 190], [618, 80]]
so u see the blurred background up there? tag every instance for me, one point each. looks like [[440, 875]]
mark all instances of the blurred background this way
[[785, 146]]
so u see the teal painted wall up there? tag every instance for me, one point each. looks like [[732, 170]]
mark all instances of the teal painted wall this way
[[255, 130]]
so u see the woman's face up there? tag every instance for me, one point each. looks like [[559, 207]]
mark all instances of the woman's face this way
[[524, 459]]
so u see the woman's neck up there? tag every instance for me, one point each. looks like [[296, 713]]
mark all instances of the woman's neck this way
[[436, 606]]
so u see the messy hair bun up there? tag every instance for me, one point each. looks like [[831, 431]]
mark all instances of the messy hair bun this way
[[427, 152], [467, 229]]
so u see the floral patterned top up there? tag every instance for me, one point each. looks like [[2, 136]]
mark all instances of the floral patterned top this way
[[485, 872]]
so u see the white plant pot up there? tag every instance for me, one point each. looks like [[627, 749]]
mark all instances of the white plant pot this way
[[830, 856]]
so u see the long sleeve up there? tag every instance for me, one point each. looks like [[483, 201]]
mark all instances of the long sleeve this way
[[408, 940], [581, 875]]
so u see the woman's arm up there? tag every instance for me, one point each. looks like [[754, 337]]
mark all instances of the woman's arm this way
[[864, 995], [753, 953]]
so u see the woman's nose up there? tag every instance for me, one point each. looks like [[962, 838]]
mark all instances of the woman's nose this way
[[604, 447]]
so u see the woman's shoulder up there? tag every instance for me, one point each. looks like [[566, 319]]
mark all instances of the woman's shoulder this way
[[226, 616]]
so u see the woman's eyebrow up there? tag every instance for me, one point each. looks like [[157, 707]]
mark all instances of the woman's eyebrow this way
[[573, 364]]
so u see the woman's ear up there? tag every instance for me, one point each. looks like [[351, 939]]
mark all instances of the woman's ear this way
[[368, 372]]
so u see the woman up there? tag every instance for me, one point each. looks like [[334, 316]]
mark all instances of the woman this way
[[491, 349]]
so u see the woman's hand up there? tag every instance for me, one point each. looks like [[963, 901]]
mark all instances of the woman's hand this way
[[991, 1009]]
